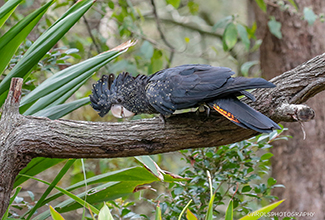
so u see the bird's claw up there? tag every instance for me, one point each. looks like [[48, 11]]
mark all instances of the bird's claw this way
[[162, 118], [203, 108]]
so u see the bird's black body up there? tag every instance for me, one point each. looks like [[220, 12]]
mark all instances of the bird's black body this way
[[183, 87]]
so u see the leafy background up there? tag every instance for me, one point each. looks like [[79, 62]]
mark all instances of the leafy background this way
[[61, 47]]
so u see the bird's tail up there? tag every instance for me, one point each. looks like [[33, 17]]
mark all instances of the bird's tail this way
[[100, 93], [243, 115]]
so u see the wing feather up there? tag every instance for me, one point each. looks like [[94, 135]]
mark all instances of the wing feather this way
[[184, 86]]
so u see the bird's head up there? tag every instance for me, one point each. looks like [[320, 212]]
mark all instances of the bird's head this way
[[109, 93]]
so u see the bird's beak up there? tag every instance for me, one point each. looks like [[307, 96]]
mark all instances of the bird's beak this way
[[119, 111]]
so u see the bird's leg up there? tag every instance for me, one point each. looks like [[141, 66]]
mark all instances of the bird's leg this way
[[203, 108], [207, 110], [162, 118]]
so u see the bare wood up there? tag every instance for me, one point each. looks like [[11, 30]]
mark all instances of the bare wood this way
[[11, 161], [25, 137]]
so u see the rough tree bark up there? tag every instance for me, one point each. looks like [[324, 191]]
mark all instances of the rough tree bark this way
[[298, 164], [25, 137]]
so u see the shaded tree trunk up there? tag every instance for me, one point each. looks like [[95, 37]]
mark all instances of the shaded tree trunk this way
[[297, 163]]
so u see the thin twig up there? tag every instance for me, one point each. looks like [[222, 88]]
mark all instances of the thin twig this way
[[201, 29], [235, 191], [154, 10], [224, 195], [219, 186], [98, 48], [91, 35]]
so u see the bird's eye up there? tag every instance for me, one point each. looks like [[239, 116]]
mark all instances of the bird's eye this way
[[119, 100]]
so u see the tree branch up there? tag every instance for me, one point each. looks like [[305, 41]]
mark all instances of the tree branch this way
[[202, 29], [25, 137], [11, 162]]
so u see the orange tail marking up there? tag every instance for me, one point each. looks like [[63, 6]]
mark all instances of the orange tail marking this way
[[228, 115]]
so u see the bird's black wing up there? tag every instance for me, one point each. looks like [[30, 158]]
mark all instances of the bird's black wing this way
[[184, 86], [189, 85]]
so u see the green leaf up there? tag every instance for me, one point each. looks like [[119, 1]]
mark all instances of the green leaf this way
[[246, 189], [75, 198], [151, 165], [11, 40], [174, 3], [309, 15], [45, 42], [111, 4], [251, 31], [36, 166], [257, 45], [53, 99], [229, 211], [246, 66], [59, 111], [156, 62], [53, 184], [190, 215], [243, 35], [12, 198], [266, 156], [71, 51], [273, 135], [147, 50], [185, 208], [7, 9], [293, 2], [275, 27], [261, 4], [271, 181], [3, 98], [158, 213], [261, 212], [60, 86], [209, 215], [55, 215], [105, 214], [230, 35], [170, 177], [278, 186], [105, 192], [117, 184], [193, 7], [222, 23]]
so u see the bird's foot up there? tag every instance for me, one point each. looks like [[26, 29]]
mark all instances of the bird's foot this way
[[207, 110], [203, 108], [162, 118]]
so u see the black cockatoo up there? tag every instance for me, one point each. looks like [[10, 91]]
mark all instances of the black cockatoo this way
[[182, 87]]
